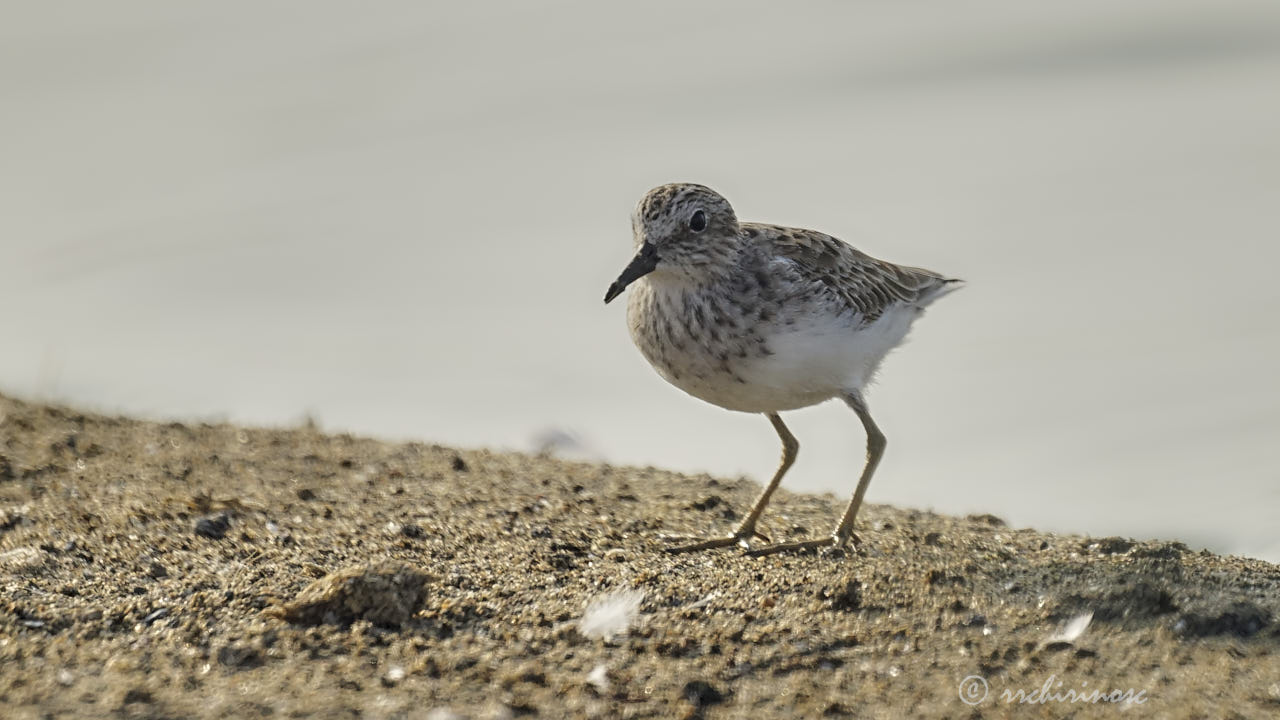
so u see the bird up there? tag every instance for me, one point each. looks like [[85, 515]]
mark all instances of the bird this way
[[765, 319]]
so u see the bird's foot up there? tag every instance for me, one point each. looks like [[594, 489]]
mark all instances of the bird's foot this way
[[740, 537], [833, 545]]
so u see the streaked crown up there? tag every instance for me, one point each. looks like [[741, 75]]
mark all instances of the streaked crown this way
[[687, 224]]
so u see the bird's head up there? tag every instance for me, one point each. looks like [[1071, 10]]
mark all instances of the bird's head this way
[[682, 229]]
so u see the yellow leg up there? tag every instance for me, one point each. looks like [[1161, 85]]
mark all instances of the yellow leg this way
[[747, 528], [844, 530]]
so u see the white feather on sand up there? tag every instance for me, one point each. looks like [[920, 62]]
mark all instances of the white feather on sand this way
[[611, 614]]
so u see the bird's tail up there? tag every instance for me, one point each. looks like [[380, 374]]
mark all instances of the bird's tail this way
[[945, 286], [931, 285]]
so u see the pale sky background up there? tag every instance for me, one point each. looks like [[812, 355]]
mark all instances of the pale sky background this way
[[400, 218]]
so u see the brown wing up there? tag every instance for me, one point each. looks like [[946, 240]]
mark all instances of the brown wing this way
[[865, 284]]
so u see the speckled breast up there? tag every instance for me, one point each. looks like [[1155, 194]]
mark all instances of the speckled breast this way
[[714, 348]]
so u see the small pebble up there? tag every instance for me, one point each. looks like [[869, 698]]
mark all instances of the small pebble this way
[[701, 693], [213, 526], [393, 676], [155, 615]]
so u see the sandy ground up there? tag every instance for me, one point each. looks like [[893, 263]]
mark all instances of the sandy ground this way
[[170, 570]]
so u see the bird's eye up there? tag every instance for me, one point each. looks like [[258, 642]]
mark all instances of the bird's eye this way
[[698, 221]]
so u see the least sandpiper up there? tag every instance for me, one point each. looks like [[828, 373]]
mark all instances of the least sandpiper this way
[[762, 319]]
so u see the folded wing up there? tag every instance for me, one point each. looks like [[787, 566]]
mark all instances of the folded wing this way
[[866, 285]]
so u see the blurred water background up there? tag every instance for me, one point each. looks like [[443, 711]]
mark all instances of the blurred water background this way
[[399, 219]]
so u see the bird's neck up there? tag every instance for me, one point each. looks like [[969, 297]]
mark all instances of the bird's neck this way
[[707, 267]]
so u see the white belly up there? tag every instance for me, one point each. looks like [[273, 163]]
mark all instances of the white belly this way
[[812, 358], [816, 362]]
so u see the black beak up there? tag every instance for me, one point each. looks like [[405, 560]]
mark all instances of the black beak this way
[[642, 264]]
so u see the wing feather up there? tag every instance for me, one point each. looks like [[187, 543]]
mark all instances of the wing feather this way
[[865, 284]]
